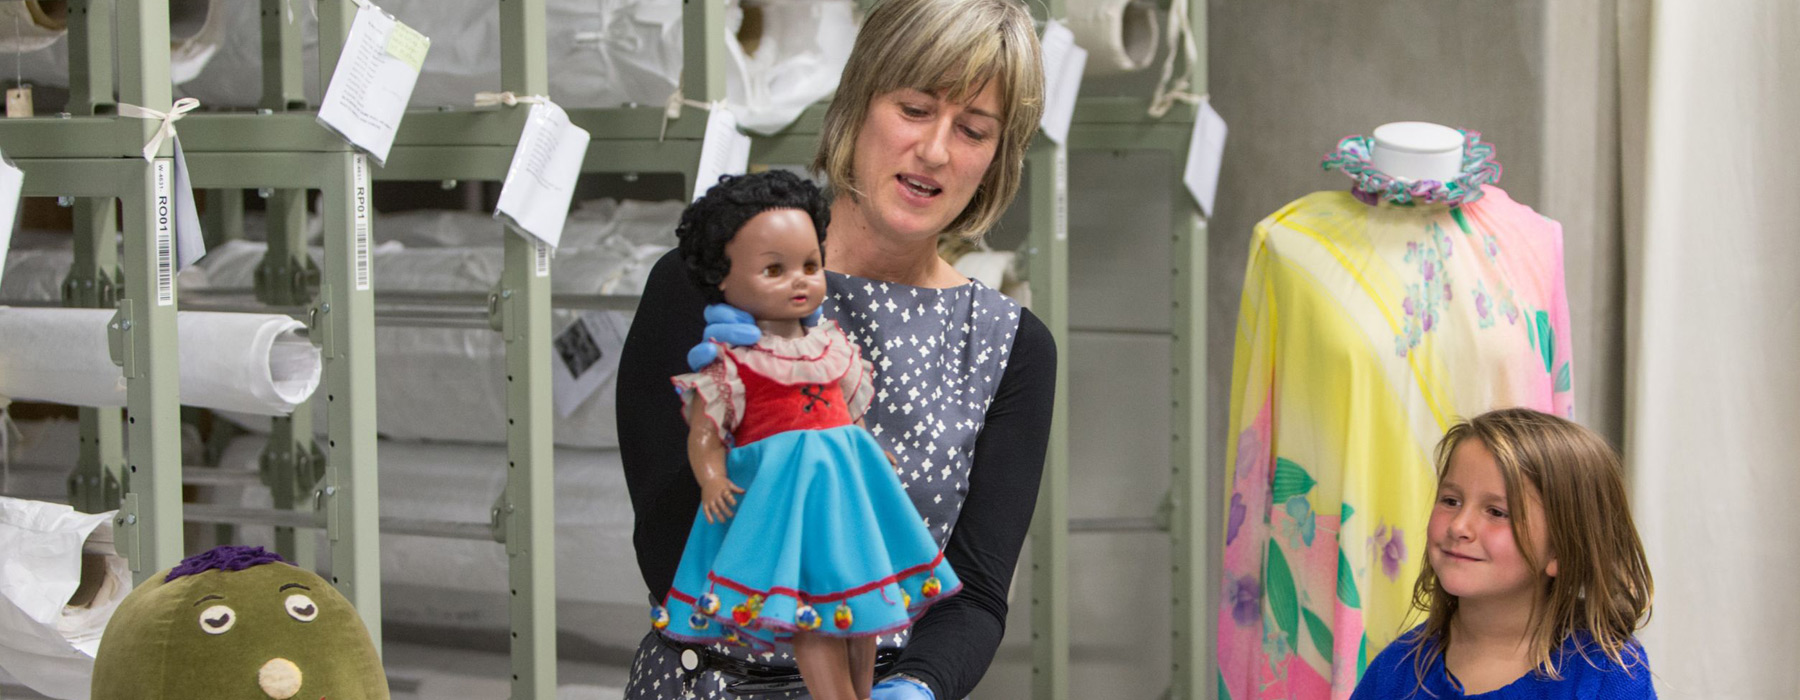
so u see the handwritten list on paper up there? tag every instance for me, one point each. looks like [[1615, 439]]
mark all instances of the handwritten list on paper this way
[[541, 180], [373, 81]]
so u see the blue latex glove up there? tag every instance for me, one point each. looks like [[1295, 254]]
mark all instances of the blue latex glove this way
[[726, 324], [901, 689]]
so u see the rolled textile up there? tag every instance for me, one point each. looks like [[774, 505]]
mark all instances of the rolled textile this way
[[60, 579], [1119, 35], [252, 363], [29, 26]]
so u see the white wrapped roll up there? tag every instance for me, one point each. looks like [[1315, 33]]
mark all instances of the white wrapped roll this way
[[197, 28], [253, 363], [1119, 35], [29, 26]]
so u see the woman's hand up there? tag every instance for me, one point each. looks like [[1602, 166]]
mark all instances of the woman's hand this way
[[718, 498]]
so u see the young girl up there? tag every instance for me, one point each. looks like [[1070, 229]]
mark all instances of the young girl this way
[[823, 549], [1534, 580]]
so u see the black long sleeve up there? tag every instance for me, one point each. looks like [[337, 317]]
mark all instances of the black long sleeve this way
[[953, 644], [951, 647]]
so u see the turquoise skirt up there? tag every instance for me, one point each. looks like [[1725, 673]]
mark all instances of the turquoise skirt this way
[[824, 540]]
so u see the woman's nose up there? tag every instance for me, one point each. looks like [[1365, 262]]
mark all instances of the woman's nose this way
[[934, 148]]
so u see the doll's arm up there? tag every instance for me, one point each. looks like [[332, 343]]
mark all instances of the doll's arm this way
[[706, 453]]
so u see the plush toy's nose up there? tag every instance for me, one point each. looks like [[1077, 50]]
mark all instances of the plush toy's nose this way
[[280, 678]]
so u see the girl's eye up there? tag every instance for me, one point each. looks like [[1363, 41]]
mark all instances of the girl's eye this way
[[1496, 512], [301, 607], [772, 271], [217, 619], [1448, 501]]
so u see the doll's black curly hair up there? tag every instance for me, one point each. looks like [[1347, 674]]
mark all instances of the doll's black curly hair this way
[[714, 219]]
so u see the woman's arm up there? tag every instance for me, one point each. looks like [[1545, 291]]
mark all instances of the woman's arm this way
[[953, 644], [652, 435]]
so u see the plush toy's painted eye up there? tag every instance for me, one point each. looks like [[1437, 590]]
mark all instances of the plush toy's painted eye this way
[[301, 607], [217, 619]]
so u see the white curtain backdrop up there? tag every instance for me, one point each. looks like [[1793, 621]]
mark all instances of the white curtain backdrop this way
[[1710, 108]]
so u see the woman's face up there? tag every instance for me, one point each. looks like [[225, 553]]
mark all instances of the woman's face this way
[[919, 159]]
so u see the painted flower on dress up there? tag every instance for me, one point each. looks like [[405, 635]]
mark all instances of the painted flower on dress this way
[[1237, 517], [1246, 601], [1388, 546]]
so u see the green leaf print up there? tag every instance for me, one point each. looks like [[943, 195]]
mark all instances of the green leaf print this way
[[1562, 378], [1362, 656], [1320, 633], [1290, 481], [1223, 693], [1284, 599], [1347, 583], [1461, 221], [1344, 514], [1545, 333]]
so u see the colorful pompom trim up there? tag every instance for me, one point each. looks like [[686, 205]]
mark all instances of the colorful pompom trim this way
[[708, 604], [746, 612], [699, 621], [931, 588], [842, 617], [806, 618], [1353, 157], [659, 617]]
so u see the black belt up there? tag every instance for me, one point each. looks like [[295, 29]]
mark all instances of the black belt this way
[[753, 678]]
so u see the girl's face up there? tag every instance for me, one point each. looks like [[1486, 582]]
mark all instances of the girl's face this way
[[919, 159], [776, 271], [1472, 547]]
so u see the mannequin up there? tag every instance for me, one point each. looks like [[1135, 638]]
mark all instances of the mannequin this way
[[1370, 320]]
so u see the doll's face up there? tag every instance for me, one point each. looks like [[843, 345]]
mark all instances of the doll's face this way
[[777, 270]]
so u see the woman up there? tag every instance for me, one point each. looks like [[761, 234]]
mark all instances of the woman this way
[[925, 138]]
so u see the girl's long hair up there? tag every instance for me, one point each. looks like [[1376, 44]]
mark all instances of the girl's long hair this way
[[1603, 585]]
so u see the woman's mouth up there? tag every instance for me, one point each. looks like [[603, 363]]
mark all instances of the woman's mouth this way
[[919, 187]]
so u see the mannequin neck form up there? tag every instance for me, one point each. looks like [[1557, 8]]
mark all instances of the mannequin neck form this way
[[1418, 151]]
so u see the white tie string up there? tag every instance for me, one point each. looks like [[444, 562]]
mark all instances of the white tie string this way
[[491, 99], [167, 130]]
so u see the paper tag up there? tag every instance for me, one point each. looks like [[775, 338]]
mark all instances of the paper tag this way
[[190, 243], [1206, 151], [726, 151], [543, 257], [163, 222], [1061, 218], [541, 181], [586, 354], [18, 102], [359, 173], [1064, 62], [12, 181], [374, 80]]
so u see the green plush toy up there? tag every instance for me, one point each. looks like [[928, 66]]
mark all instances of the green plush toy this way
[[237, 623]]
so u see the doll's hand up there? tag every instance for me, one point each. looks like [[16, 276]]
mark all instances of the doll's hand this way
[[718, 499], [726, 324], [901, 688]]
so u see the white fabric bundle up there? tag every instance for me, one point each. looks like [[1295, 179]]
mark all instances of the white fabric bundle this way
[[253, 363], [44, 640], [197, 30], [1119, 35], [798, 57], [27, 26]]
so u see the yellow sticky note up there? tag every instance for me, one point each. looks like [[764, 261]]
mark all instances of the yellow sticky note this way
[[408, 45]]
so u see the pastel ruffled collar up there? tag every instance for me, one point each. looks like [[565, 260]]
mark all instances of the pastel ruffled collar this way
[[1372, 186]]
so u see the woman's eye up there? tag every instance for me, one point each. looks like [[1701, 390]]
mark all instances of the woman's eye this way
[[301, 607], [217, 619], [974, 134], [914, 111]]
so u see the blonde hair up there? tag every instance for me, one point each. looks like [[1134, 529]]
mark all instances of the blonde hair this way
[[1602, 585], [953, 48]]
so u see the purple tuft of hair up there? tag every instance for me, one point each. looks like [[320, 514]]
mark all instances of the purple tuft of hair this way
[[223, 558]]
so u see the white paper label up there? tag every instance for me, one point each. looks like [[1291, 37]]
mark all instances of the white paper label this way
[[12, 181], [541, 181], [359, 173], [726, 151], [585, 355], [162, 220], [1064, 63], [1206, 151], [543, 258], [190, 243], [1062, 193], [373, 81]]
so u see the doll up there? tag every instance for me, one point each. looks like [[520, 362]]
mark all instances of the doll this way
[[804, 534]]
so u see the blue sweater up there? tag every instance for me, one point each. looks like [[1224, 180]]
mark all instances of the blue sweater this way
[[1391, 676]]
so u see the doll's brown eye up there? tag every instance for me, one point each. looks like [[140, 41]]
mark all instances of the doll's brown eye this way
[[301, 608], [812, 268], [772, 271], [217, 619]]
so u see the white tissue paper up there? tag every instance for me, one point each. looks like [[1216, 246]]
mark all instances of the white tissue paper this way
[[253, 363], [46, 642], [802, 51]]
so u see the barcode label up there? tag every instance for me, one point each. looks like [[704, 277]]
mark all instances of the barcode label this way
[[543, 257], [360, 177], [162, 214]]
